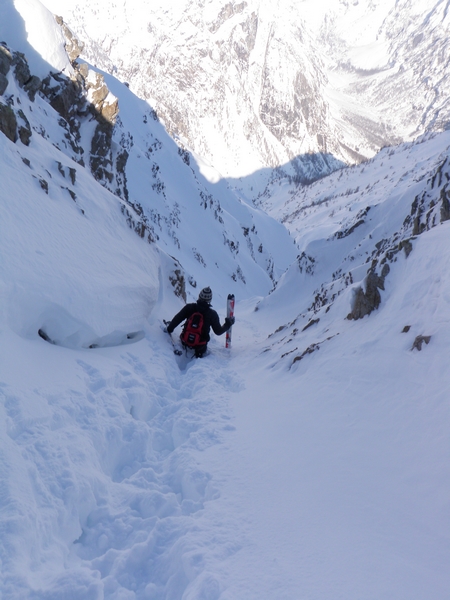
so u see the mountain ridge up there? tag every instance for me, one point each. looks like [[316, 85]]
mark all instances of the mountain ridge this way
[[266, 83]]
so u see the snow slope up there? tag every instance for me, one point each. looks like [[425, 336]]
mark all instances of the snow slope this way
[[35, 34], [304, 463], [129, 473]]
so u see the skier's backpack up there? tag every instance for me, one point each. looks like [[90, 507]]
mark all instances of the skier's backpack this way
[[192, 331]]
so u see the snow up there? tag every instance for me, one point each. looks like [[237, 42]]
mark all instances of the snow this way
[[128, 473], [36, 34], [207, 170]]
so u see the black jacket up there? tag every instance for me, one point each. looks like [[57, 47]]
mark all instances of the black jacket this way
[[210, 319]]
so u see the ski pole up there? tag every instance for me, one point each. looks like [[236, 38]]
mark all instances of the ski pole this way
[[176, 350]]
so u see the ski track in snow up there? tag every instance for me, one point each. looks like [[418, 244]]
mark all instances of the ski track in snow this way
[[138, 511]]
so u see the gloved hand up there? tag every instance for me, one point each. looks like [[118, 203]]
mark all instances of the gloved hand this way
[[230, 321]]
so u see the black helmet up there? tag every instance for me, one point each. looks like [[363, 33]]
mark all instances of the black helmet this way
[[205, 295]]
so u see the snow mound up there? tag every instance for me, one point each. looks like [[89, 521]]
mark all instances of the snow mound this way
[[29, 27]]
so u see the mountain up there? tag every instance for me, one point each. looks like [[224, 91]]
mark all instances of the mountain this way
[[356, 231], [297, 87], [310, 460], [98, 124]]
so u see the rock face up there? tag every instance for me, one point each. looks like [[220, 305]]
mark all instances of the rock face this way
[[24, 128], [73, 45], [369, 299], [5, 65], [100, 98], [5, 60], [30, 83], [3, 84], [84, 91], [65, 95], [8, 122], [418, 342], [83, 95], [21, 68]]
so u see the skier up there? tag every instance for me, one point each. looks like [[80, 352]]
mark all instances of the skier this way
[[209, 318]]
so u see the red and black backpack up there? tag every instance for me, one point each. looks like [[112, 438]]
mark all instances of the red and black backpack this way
[[192, 331]]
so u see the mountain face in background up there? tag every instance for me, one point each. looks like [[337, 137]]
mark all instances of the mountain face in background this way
[[298, 86]]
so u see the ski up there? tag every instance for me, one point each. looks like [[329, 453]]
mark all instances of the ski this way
[[230, 313], [176, 350]]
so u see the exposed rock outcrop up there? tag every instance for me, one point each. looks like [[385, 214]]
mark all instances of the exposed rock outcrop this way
[[420, 339], [105, 108], [368, 300], [24, 129], [445, 206], [100, 156], [5, 65], [86, 94], [21, 68], [8, 122], [30, 83], [3, 84], [77, 96], [5, 60], [66, 96], [8, 118], [178, 281], [407, 246], [102, 101], [32, 86], [73, 45]]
